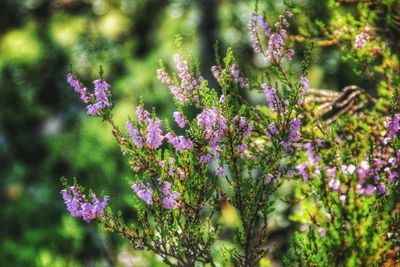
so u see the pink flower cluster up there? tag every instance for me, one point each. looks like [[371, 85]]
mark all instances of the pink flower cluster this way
[[145, 192], [187, 91], [78, 205], [153, 134], [214, 125], [95, 102], [234, 73], [362, 39], [276, 36]]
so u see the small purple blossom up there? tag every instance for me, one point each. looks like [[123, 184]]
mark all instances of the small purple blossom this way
[[98, 101], [275, 38], [144, 192], [214, 125], [348, 169], [169, 201], [188, 89], [393, 126], [303, 171], [79, 88], [264, 26], [331, 172], [312, 158], [205, 158], [276, 45], [154, 137], [134, 134], [361, 40], [321, 232], [294, 134], [102, 93], [270, 94], [241, 147], [142, 115], [243, 82], [304, 85], [216, 71], [179, 119], [268, 178], [79, 206], [180, 143], [253, 28], [169, 198], [222, 171], [272, 129], [334, 184], [381, 189]]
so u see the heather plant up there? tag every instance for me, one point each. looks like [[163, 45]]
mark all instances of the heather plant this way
[[209, 174], [350, 163]]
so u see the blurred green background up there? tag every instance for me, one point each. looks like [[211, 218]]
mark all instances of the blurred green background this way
[[45, 133]]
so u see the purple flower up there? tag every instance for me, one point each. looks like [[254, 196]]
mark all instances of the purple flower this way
[[78, 205], [180, 143], [87, 211], [312, 158], [302, 168], [334, 184], [321, 232], [73, 202], [163, 77], [102, 93], [264, 26], [188, 89], [253, 28], [268, 178], [294, 134], [348, 169], [179, 119], [169, 198], [241, 147], [342, 198], [144, 192], [331, 172], [394, 126], [216, 71], [381, 188], [270, 94], [74, 83], [214, 125], [361, 40], [154, 135], [304, 85], [99, 206], [272, 129], [276, 38], [134, 133], [222, 171], [205, 158], [142, 115], [169, 201], [368, 190], [237, 78], [244, 128], [276, 46]]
